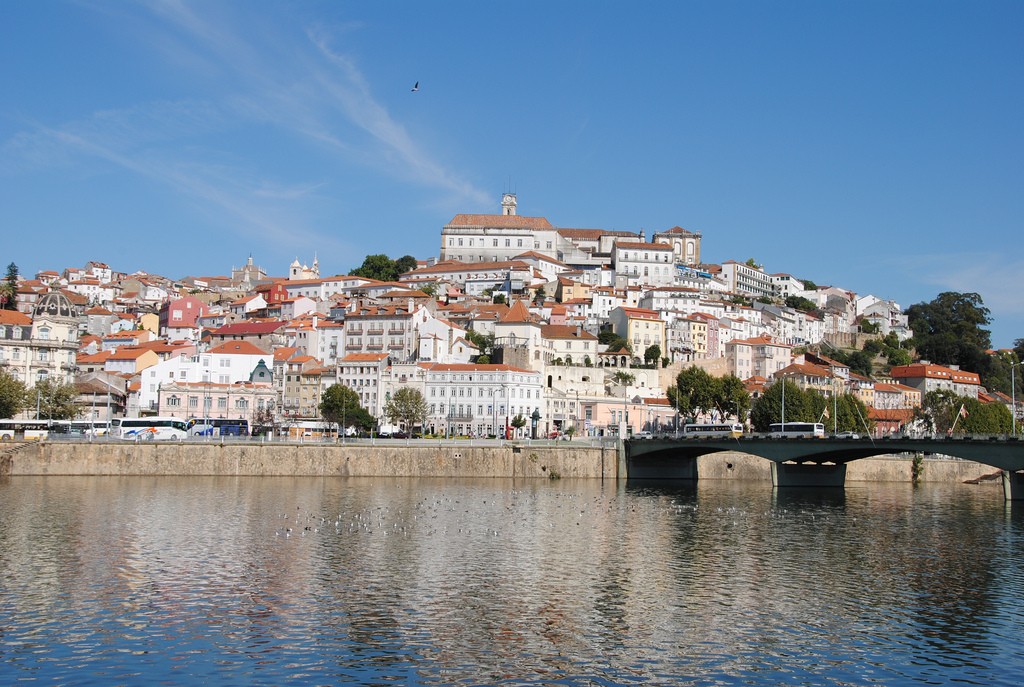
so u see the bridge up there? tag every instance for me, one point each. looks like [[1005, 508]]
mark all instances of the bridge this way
[[820, 462]]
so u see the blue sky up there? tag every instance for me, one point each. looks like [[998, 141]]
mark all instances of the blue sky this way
[[876, 146]]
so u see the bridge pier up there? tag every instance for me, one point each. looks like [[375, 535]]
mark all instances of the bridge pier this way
[[662, 468], [1013, 485], [808, 475]]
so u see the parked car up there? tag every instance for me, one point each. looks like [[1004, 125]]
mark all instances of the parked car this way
[[847, 435]]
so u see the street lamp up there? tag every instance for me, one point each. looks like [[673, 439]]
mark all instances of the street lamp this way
[[1013, 395], [535, 418]]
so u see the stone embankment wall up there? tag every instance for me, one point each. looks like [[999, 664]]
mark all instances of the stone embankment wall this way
[[542, 462], [894, 468], [85, 458]]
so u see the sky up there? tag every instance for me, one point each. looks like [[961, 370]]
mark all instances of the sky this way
[[874, 146]]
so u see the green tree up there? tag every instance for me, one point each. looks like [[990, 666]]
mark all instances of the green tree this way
[[696, 391], [733, 397], [406, 405], [404, 264], [809, 285], [800, 407], [939, 410], [985, 418], [613, 341], [383, 268], [949, 330], [56, 399], [339, 405], [13, 396], [898, 356], [483, 342], [518, 422], [9, 289], [800, 303], [652, 354]]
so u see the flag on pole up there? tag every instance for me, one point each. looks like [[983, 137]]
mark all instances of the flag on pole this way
[[963, 411], [825, 414]]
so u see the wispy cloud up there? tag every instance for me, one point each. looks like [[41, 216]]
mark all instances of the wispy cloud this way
[[283, 78], [997, 277]]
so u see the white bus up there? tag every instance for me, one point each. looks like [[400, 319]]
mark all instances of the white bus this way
[[798, 430], [80, 428], [150, 428], [23, 430], [713, 430]]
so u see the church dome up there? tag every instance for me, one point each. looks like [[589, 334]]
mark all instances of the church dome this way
[[55, 305]]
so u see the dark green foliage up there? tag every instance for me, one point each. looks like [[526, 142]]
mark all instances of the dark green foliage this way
[[340, 405], [56, 399], [843, 413], [612, 340], [941, 412], [652, 354], [949, 330], [484, 342], [800, 303], [9, 289], [383, 268], [406, 405], [13, 396], [696, 393]]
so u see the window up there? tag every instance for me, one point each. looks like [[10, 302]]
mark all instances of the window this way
[[519, 243], [193, 401], [174, 401], [44, 333], [495, 243], [222, 403]]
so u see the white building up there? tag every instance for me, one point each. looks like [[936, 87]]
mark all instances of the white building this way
[[649, 264], [481, 400], [228, 363]]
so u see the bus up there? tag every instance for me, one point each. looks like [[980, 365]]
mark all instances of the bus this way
[[713, 430], [80, 428], [218, 426], [150, 428], [798, 430], [24, 430]]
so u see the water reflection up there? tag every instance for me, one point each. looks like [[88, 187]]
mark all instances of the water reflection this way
[[327, 581]]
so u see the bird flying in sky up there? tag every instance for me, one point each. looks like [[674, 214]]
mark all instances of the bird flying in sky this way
[[416, 87]]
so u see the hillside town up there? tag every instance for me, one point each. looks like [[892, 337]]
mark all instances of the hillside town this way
[[586, 331]]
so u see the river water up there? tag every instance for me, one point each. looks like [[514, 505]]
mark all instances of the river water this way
[[331, 581]]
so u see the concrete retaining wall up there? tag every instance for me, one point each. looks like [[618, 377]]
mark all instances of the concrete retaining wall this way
[[74, 458], [542, 462]]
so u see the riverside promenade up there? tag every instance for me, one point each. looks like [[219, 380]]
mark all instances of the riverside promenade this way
[[579, 459]]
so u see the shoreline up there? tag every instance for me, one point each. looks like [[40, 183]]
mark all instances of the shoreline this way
[[512, 460]]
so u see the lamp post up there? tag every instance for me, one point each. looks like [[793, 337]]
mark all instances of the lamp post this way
[[1013, 396], [535, 418]]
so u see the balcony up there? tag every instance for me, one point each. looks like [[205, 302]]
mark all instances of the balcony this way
[[375, 331]]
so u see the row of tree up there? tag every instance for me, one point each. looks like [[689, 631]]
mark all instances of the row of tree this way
[[696, 393], [49, 398]]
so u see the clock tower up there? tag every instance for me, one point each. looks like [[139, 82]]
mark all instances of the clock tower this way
[[508, 204]]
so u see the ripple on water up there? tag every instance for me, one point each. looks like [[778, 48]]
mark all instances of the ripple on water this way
[[328, 581]]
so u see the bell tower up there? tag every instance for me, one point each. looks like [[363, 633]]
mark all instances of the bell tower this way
[[508, 204]]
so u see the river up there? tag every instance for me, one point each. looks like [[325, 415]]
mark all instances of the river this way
[[330, 581]]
